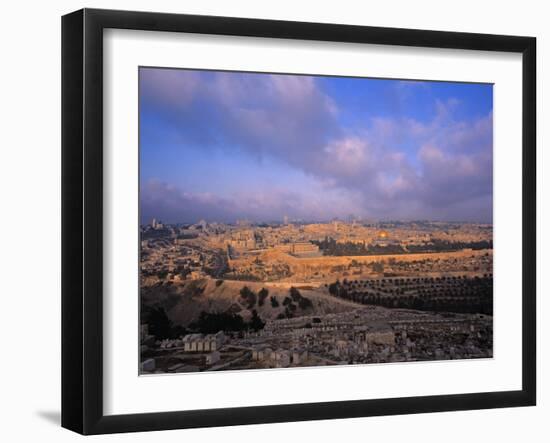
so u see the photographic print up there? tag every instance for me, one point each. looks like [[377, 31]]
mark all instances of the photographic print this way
[[302, 220]]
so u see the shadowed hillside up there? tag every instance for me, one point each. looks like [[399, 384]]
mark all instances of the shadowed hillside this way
[[184, 302]]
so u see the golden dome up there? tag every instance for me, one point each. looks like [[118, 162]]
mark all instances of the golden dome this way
[[383, 234]]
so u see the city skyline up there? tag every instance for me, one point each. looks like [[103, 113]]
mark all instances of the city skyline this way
[[287, 220], [223, 146]]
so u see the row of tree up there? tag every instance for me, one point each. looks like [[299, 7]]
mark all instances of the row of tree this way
[[478, 298], [212, 322], [330, 246], [161, 327]]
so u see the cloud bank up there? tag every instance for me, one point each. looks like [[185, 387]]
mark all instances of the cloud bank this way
[[392, 166]]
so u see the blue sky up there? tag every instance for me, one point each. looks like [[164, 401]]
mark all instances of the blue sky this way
[[223, 146]]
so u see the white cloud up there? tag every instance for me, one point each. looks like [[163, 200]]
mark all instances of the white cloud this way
[[391, 166]]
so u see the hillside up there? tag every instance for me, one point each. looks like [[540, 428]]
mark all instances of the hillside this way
[[183, 302]]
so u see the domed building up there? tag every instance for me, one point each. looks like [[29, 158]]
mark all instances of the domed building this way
[[384, 239]]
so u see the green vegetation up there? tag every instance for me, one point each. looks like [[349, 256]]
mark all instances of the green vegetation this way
[[292, 303], [210, 323], [241, 276], [256, 323], [303, 302], [194, 288], [162, 274], [439, 294], [437, 245], [262, 295], [334, 288], [160, 326], [187, 236], [330, 246], [248, 296], [378, 267]]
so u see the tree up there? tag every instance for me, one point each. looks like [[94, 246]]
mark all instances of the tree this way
[[333, 288], [249, 296], [295, 294], [245, 292], [210, 323], [159, 324], [262, 295], [305, 303], [162, 274], [255, 323], [274, 302]]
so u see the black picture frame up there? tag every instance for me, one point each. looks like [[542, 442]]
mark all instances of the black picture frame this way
[[82, 217]]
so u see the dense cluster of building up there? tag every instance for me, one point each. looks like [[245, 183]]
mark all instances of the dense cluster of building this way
[[265, 252], [411, 303], [365, 335]]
